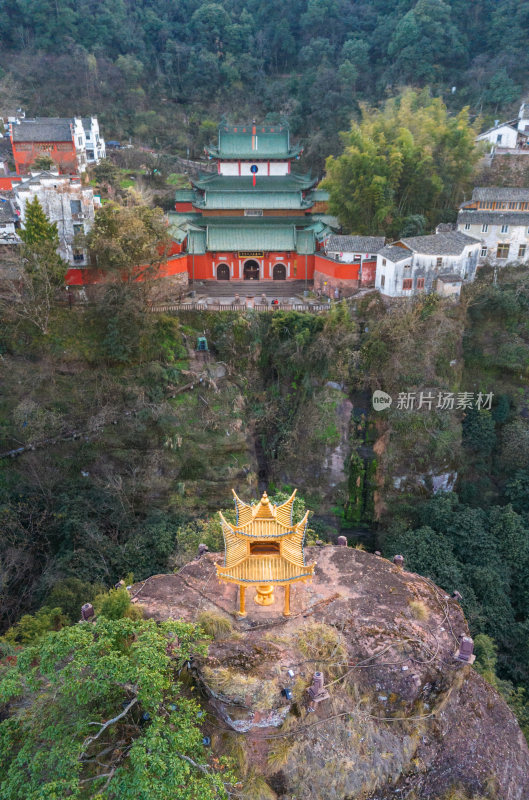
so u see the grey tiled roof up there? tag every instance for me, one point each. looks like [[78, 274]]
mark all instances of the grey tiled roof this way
[[450, 277], [445, 227], [494, 217], [394, 254], [43, 130], [451, 243], [511, 123], [7, 212], [6, 151], [355, 244], [37, 178], [500, 193]]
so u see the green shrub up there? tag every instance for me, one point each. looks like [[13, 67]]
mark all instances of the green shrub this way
[[116, 604]]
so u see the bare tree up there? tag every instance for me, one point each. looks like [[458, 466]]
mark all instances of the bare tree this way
[[31, 286]]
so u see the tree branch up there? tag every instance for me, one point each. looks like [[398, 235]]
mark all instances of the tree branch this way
[[104, 725], [201, 767]]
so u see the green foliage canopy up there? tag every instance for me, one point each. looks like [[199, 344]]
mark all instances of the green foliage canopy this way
[[409, 158], [96, 710]]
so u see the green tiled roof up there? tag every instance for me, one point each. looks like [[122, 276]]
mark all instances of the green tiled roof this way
[[184, 195], [305, 242], [268, 183], [271, 141], [240, 200], [246, 237], [207, 233], [196, 242], [321, 196], [328, 219]]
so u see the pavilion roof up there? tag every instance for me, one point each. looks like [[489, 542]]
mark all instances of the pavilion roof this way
[[239, 200], [244, 183], [262, 522], [239, 141], [43, 129], [214, 233], [251, 237]]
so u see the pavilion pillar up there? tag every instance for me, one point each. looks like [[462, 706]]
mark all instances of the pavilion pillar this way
[[242, 607], [286, 610]]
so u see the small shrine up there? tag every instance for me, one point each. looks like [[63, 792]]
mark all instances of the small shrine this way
[[264, 549]]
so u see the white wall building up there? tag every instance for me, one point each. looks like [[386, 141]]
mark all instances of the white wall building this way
[[510, 135], [353, 249], [79, 138], [499, 217], [95, 145], [424, 264], [64, 201]]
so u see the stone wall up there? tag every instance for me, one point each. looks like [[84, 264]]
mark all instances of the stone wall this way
[[327, 285]]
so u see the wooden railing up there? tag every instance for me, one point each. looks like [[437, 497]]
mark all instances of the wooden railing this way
[[313, 308]]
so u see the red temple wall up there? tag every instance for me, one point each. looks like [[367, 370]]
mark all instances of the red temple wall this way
[[330, 275], [6, 183], [87, 276], [62, 153], [204, 267]]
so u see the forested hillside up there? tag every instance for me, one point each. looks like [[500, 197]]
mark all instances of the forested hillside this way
[[164, 71]]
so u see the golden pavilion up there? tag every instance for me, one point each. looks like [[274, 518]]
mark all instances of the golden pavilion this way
[[264, 549]]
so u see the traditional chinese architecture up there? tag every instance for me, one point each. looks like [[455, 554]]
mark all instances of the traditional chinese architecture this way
[[264, 549], [253, 218], [70, 142], [414, 265], [350, 263], [67, 202], [511, 136], [499, 217]]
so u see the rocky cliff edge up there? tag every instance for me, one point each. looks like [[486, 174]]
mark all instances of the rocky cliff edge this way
[[403, 717]]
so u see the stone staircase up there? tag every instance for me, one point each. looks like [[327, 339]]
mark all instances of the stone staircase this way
[[271, 289]]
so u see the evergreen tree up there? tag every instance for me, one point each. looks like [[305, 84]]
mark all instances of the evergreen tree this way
[[31, 293], [37, 227], [96, 710]]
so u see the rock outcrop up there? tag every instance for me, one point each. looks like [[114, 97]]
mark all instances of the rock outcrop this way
[[403, 717]]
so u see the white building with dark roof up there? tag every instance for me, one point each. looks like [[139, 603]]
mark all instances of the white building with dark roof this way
[[95, 144], [510, 135], [499, 217], [353, 249], [422, 264], [65, 201], [9, 220]]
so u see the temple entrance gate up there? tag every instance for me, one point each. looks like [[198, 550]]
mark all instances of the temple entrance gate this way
[[251, 270]]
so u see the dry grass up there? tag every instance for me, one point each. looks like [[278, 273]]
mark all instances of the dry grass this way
[[461, 794], [280, 753], [325, 645], [236, 748], [419, 610], [282, 749], [255, 787], [215, 625], [240, 689]]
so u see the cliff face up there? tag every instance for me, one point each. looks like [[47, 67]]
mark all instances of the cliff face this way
[[403, 717]]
